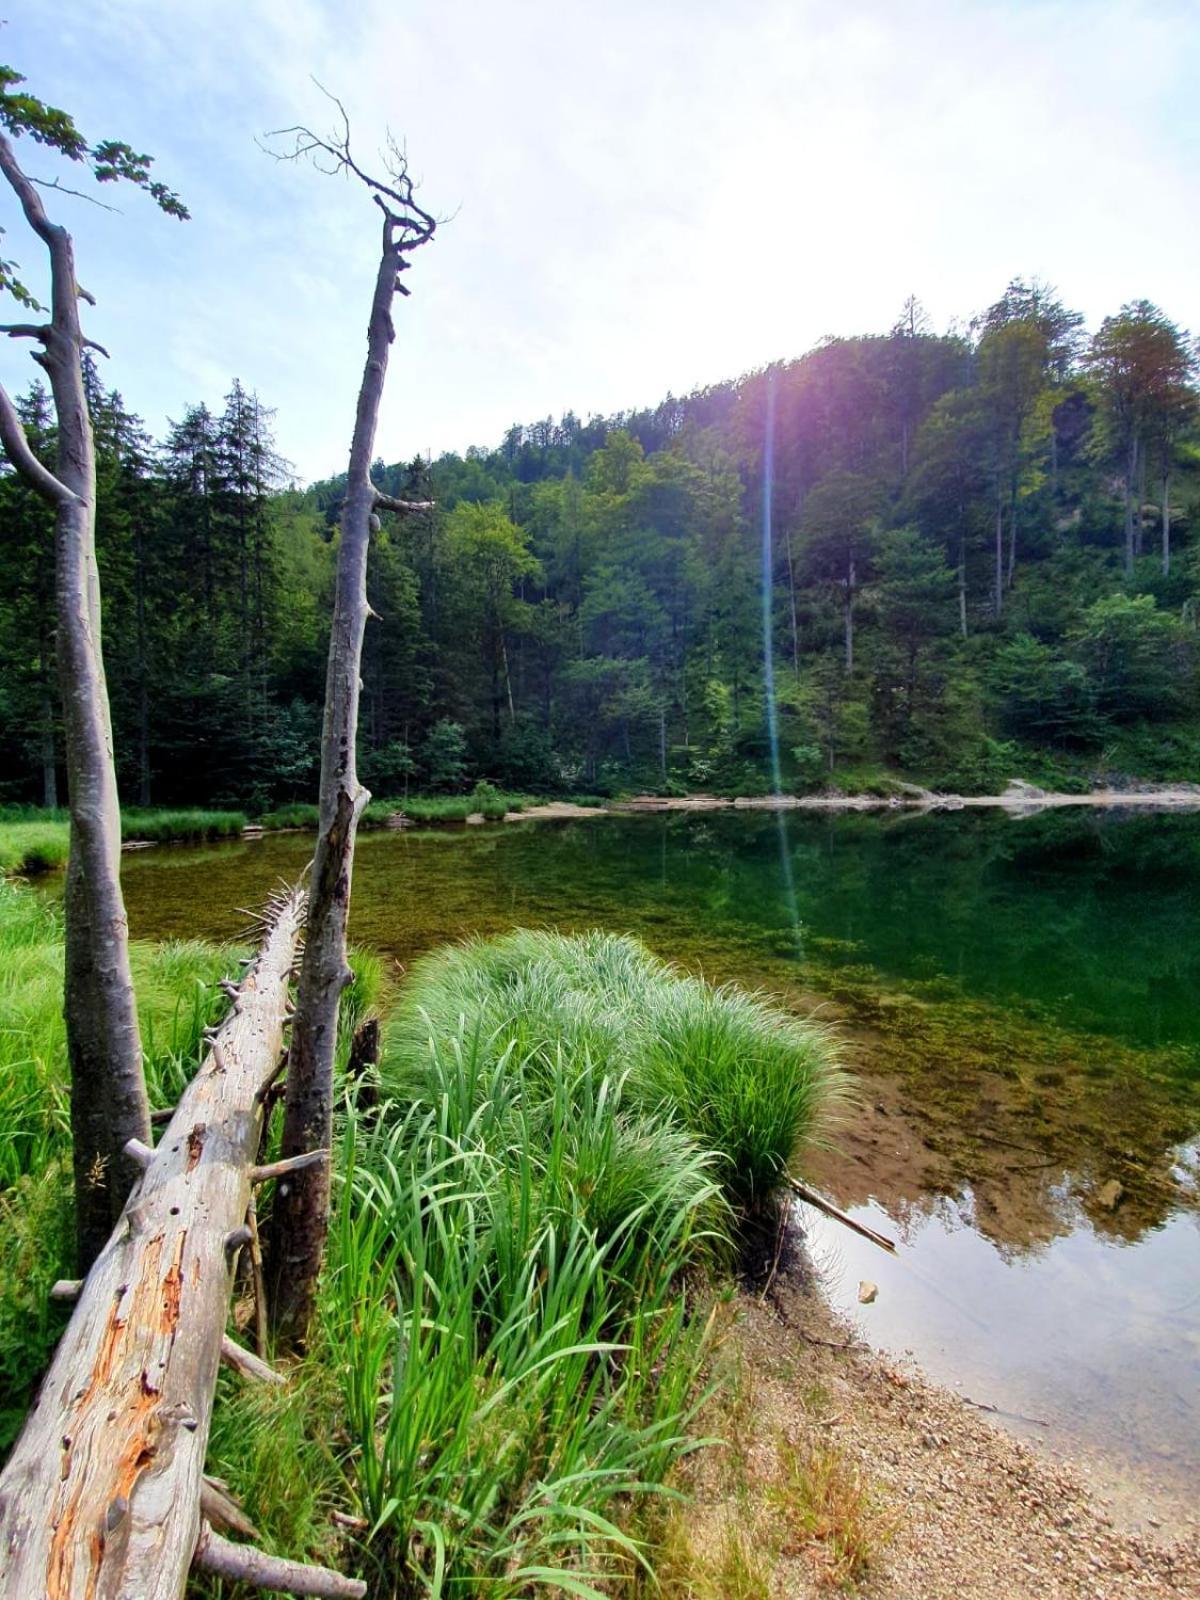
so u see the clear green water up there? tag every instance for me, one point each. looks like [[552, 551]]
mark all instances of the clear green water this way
[[1018, 999]]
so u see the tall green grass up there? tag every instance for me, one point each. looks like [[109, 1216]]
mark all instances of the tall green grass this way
[[296, 814], [162, 826], [575, 1134], [744, 1079], [29, 846], [506, 1305]]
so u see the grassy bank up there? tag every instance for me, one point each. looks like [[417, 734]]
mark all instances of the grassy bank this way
[[35, 840], [483, 800]]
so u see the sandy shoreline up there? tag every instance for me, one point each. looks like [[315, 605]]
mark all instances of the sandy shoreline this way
[[1019, 799], [962, 1509]]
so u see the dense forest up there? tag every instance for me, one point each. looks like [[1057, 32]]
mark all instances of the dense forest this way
[[980, 551]]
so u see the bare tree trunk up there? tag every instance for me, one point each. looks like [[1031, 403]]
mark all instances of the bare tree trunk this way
[[108, 1092], [1053, 459], [1012, 535], [46, 739], [101, 1496], [1138, 531], [301, 1217], [999, 600], [1130, 478], [1166, 522], [962, 584], [143, 675], [508, 688], [791, 565], [849, 616]]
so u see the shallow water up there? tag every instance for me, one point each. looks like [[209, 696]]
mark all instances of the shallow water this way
[[1018, 998]]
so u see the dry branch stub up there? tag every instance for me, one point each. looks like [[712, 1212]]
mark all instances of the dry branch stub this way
[[101, 1497]]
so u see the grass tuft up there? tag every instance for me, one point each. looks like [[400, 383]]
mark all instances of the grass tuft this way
[[829, 1510], [741, 1078]]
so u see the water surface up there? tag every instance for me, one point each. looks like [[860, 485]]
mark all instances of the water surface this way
[[1018, 1000]]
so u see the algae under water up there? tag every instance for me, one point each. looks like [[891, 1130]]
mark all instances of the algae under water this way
[[1019, 1001]]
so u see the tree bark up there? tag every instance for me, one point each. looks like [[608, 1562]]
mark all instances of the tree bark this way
[[46, 738], [101, 1495], [962, 584], [301, 1216], [999, 601], [1130, 478], [849, 616], [1138, 531], [108, 1093], [1166, 523]]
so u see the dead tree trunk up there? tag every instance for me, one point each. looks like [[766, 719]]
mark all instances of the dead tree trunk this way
[[1166, 521], [102, 1494], [301, 1216], [108, 1093]]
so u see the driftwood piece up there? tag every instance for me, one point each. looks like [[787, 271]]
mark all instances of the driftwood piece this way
[[101, 1496], [221, 1510], [246, 1364], [812, 1198], [243, 1564]]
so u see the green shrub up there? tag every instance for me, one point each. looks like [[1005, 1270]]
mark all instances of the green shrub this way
[[443, 755]]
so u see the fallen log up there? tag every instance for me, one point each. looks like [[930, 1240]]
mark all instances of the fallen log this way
[[101, 1498]]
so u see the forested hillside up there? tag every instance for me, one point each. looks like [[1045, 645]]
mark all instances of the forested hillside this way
[[982, 553]]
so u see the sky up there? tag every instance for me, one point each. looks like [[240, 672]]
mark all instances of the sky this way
[[640, 198]]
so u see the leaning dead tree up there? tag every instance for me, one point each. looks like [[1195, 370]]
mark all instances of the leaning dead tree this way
[[301, 1218], [108, 1092], [104, 1494]]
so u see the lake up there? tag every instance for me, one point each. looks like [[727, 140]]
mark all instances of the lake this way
[[1018, 999]]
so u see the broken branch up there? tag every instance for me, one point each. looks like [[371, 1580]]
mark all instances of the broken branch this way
[[246, 1364], [390, 503], [830, 1210], [243, 1565], [279, 1169]]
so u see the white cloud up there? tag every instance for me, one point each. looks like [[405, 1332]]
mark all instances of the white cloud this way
[[649, 195]]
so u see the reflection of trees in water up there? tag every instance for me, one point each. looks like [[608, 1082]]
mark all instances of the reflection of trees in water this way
[[1016, 1122]]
